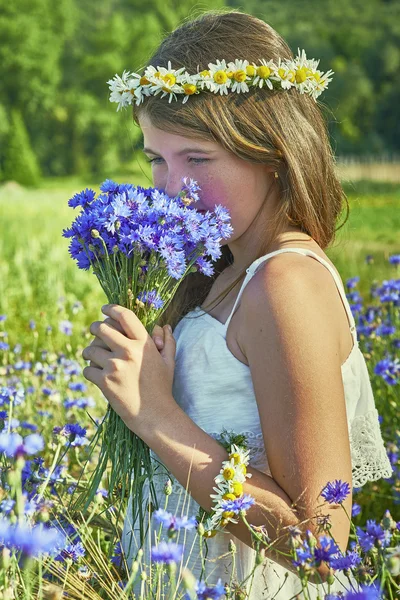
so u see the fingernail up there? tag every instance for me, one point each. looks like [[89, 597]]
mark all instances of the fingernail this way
[[169, 328]]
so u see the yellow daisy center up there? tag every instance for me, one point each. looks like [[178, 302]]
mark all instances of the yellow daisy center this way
[[282, 73], [157, 74], [211, 533], [220, 77], [144, 81], [250, 70], [236, 457], [316, 76], [237, 489], [205, 73], [227, 514], [240, 75], [228, 473], [229, 496], [230, 74], [263, 72], [189, 88], [301, 75], [292, 76], [169, 78]]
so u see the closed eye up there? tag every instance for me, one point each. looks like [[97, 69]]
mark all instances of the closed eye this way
[[196, 160]]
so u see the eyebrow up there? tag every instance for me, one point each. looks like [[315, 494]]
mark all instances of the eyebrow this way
[[183, 151]]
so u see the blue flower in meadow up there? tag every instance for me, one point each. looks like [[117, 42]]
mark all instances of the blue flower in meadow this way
[[118, 556], [31, 541], [355, 510], [47, 391], [374, 534], [366, 593], [385, 330], [394, 259], [349, 561], [11, 394], [109, 186], [173, 522], [33, 443], [167, 552], [13, 443], [72, 551], [32, 324], [17, 348], [239, 504], [82, 198], [3, 415], [44, 413], [74, 432], [304, 555], [204, 592], [65, 326], [6, 506], [335, 492], [151, 297], [3, 318], [389, 370], [77, 386], [4, 346], [326, 550], [369, 259], [352, 282]]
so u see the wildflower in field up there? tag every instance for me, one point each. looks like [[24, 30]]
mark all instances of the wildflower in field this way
[[394, 259], [173, 522], [352, 282], [366, 593], [389, 370], [13, 444], [167, 552], [374, 535], [31, 541], [204, 592], [11, 395], [3, 318], [65, 327], [74, 434], [335, 492], [348, 561], [72, 552]]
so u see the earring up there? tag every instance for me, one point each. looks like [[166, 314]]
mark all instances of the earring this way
[[276, 174]]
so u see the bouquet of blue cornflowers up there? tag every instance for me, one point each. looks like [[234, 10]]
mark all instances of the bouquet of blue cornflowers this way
[[140, 244]]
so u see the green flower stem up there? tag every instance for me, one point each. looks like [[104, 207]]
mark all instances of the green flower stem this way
[[51, 470]]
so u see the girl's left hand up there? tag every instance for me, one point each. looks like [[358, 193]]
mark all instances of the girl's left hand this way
[[132, 373]]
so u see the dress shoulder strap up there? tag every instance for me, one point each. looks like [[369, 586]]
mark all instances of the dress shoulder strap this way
[[259, 261]]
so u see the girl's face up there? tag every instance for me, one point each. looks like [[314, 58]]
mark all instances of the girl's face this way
[[238, 185]]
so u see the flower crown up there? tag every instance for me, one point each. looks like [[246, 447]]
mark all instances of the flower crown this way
[[238, 76]]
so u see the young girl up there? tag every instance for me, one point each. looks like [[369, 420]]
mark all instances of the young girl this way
[[266, 347]]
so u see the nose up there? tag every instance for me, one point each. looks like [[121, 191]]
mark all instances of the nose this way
[[173, 182]]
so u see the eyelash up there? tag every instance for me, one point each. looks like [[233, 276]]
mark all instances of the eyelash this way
[[151, 160]]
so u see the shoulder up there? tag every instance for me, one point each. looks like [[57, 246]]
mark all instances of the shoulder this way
[[291, 289]]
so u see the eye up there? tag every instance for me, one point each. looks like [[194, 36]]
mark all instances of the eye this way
[[196, 160]]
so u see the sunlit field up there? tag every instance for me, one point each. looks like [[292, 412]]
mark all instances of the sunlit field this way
[[46, 307]]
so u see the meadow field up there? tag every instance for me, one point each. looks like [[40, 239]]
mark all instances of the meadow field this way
[[46, 307]]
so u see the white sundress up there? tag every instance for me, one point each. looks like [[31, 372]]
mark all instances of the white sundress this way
[[215, 390]]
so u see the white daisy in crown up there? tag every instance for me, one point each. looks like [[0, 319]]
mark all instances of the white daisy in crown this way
[[285, 74], [123, 88], [237, 72], [264, 73], [220, 79]]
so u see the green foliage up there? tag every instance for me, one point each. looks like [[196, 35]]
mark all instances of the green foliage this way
[[56, 59], [20, 163]]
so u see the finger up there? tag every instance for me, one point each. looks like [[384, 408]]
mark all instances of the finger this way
[[158, 336], [94, 375], [97, 355], [131, 325], [109, 335]]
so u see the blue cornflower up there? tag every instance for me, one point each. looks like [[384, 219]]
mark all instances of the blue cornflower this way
[[327, 549], [3, 318], [167, 552], [77, 386], [366, 593], [352, 282], [173, 522], [394, 259], [239, 504], [82, 198], [374, 534], [31, 541], [335, 492], [118, 555], [65, 326], [355, 510], [74, 433], [304, 555], [72, 551], [204, 592], [349, 561], [13, 443], [4, 346]]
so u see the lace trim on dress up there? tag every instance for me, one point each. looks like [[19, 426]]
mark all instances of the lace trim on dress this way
[[368, 454]]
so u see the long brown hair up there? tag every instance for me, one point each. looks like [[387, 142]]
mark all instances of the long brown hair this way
[[282, 129]]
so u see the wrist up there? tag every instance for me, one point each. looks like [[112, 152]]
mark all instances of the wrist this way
[[148, 425]]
